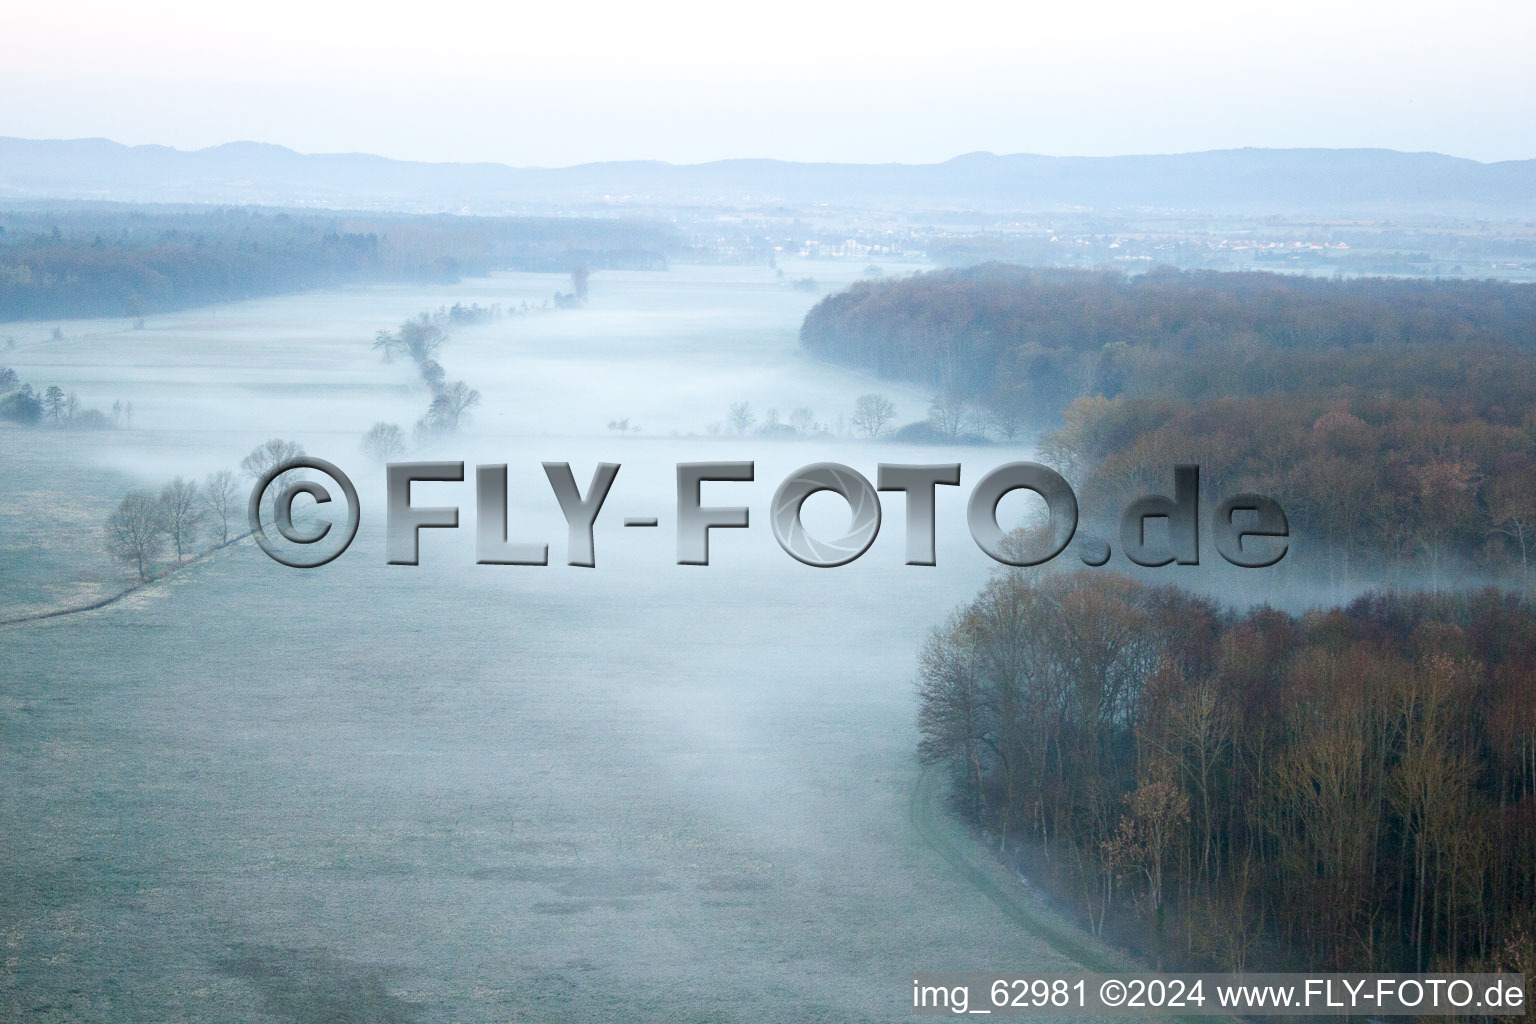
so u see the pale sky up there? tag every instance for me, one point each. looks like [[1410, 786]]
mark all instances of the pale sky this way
[[826, 80]]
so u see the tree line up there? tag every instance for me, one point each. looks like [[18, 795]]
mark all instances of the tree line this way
[[1039, 337], [420, 339], [1354, 787], [101, 260], [21, 403], [872, 414], [1374, 482], [1390, 418], [188, 518]]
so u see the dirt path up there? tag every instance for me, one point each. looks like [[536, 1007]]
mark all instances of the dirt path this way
[[976, 865], [131, 589], [941, 832]]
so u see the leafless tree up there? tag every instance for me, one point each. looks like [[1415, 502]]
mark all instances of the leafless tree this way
[[263, 458], [803, 420], [948, 413], [388, 343], [1512, 508], [383, 442], [741, 417], [1008, 420], [433, 374], [422, 338], [136, 531], [183, 514], [221, 500], [450, 405], [871, 413]]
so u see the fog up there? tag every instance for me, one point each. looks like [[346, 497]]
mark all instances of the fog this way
[[461, 792]]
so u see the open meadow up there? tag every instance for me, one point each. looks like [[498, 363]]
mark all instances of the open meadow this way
[[461, 792]]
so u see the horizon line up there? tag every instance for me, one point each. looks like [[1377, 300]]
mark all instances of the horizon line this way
[[973, 154]]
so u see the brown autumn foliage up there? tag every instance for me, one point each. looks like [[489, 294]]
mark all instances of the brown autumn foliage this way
[[1392, 419], [1368, 482], [1353, 788]]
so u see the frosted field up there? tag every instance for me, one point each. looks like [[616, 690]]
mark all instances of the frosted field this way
[[470, 793]]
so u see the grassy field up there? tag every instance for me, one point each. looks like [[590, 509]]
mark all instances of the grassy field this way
[[640, 792]]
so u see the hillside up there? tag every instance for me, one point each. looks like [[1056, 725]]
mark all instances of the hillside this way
[[1249, 181]]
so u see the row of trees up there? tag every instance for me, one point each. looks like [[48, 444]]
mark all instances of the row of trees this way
[[114, 261], [185, 514], [951, 419], [421, 339], [872, 414], [1355, 787], [20, 403]]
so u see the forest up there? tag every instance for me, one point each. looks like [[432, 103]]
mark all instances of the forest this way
[[1034, 337], [100, 260], [1350, 789], [1353, 786], [1391, 418]]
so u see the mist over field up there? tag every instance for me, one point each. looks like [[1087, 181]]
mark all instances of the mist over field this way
[[472, 792], [750, 790], [1255, 286]]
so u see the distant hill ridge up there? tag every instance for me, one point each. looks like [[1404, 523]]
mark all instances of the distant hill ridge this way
[[1253, 181]]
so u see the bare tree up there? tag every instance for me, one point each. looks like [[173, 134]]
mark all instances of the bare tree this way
[[421, 338], [432, 372], [450, 405], [388, 343], [1008, 420], [383, 442], [948, 413], [136, 531], [264, 457], [183, 514], [741, 417], [871, 413], [579, 278], [803, 420], [1512, 509], [221, 500]]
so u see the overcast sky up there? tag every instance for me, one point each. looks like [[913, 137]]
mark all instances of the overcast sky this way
[[796, 79]]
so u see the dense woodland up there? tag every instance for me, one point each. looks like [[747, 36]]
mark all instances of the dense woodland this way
[[108, 261], [1040, 337], [1354, 788], [1394, 420]]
